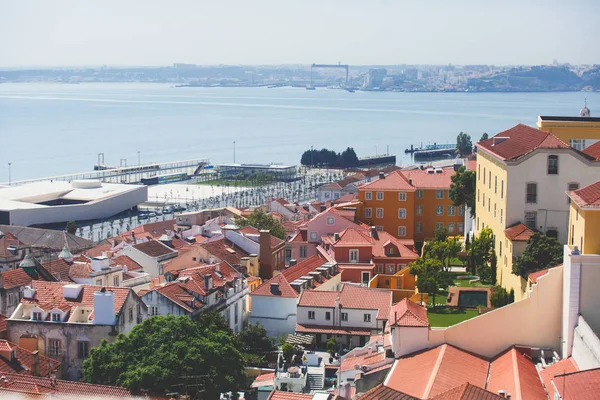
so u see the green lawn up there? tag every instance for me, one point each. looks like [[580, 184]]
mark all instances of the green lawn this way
[[465, 283], [447, 316]]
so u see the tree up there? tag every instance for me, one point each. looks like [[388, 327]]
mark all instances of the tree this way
[[484, 137], [348, 158], [481, 250], [260, 220], [288, 351], [71, 227], [443, 251], [499, 297], [511, 296], [464, 145], [493, 267], [440, 234], [157, 353], [541, 252], [430, 276], [255, 343], [462, 189], [332, 346]]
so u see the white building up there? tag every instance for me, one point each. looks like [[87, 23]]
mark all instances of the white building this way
[[150, 255], [59, 201]]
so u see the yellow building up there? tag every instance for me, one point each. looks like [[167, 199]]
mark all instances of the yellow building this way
[[522, 176], [402, 285], [585, 219], [579, 132]]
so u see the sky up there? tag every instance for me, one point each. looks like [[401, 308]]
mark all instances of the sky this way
[[368, 32]]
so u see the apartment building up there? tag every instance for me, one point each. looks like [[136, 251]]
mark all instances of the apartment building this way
[[523, 174]]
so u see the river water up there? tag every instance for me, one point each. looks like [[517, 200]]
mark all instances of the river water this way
[[52, 129]]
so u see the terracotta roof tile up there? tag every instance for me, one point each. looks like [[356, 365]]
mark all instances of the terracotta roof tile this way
[[98, 250], [279, 395], [593, 151], [384, 239], [153, 229], [349, 180], [285, 290], [220, 249], [14, 278], [408, 313], [354, 237], [334, 330], [519, 232], [520, 140], [303, 268], [382, 392], [349, 362], [300, 236], [31, 385], [153, 248], [59, 269], [466, 391], [534, 276], [393, 181], [250, 230], [515, 373], [588, 196], [263, 380], [3, 319], [128, 262], [582, 385], [7, 240], [349, 197], [24, 364], [422, 179], [564, 366]]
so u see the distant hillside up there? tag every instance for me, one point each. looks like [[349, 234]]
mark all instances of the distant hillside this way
[[536, 79]]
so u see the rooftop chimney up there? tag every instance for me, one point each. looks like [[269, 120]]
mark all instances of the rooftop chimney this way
[[28, 292], [104, 307], [336, 236], [71, 291], [36, 363], [381, 175], [275, 288], [410, 181], [374, 232], [292, 262], [99, 263], [208, 281]]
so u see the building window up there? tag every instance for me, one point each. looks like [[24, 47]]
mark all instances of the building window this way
[[419, 210], [391, 268], [379, 228], [379, 213], [302, 251], [501, 248], [531, 220], [479, 172], [402, 213], [552, 232], [130, 314], [368, 212], [83, 349], [439, 210], [552, 165], [419, 227], [365, 277], [484, 172], [502, 189], [439, 194], [235, 314], [439, 225], [401, 231], [379, 268], [98, 282], [327, 316], [420, 193], [461, 228], [501, 215], [490, 180], [54, 347], [353, 255], [494, 210], [531, 193], [368, 196], [55, 317], [379, 195], [36, 316], [402, 196], [313, 236], [330, 220], [577, 144], [451, 210], [311, 315], [450, 228], [367, 318], [483, 200], [495, 184], [571, 187], [461, 210], [153, 310], [344, 316], [116, 280]]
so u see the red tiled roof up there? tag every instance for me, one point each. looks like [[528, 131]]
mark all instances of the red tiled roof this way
[[154, 229], [303, 268], [582, 385], [285, 290], [466, 391], [593, 151], [333, 330], [80, 270], [279, 395], [59, 269], [219, 249], [515, 373], [519, 232], [24, 361], [153, 248], [422, 179], [31, 385], [354, 237], [250, 230], [49, 295], [300, 236], [520, 140], [588, 196], [564, 366], [344, 182], [384, 238], [98, 250], [346, 198], [349, 362], [128, 262], [534, 276], [7, 240], [3, 322], [176, 292], [351, 296], [408, 313], [14, 278], [436, 371], [393, 181], [382, 392]]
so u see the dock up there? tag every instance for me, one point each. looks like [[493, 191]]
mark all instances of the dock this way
[[435, 146], [379, 160]]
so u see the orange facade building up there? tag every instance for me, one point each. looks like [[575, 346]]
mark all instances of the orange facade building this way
[[411, 204]]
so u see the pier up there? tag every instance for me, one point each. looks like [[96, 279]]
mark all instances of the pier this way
[[131, 174]]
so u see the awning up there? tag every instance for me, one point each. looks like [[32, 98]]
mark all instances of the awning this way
[[333, 330], [303, 340]]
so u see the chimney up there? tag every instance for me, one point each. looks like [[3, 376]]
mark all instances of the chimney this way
[[99, 263], [265, 255], [133, 237], [292, 262], [336, 237], [71, 291], [36, 363], [410, 181], [274, 288], [29, 292], [104, 307], [381, 175], [218, 267], [374, 233], [211, 260], [208, 281]]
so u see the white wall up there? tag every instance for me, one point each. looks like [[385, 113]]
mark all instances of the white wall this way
[[586, 346], [244, 243], [406, 340], [165, 306], [355, 317], [276, 314], [552, 204], [149, 264]]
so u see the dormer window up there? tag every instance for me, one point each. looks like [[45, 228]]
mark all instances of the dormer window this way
[[36, 316], [56, 317]]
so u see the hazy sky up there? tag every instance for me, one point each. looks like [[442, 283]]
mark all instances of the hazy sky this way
[[151, 32]]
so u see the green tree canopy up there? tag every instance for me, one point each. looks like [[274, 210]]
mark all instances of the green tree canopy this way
[[484, 136], [71, 227], [260, 220], [255, 343], [541, 252], [443, 251], [329, 158], [430, 276], [462, 189], [157, 353], [464, 145], [481, 250], [499, 297]]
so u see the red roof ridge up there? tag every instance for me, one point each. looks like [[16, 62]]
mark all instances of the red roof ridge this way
[[588, 196], [519, 232], [593, 151]]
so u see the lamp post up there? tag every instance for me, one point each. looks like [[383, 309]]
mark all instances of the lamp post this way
[[9, 178], [234, 151]]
